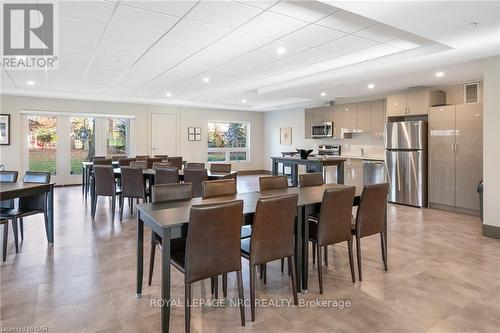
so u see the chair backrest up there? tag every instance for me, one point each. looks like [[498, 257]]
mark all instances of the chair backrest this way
[[195, 166], [103, 161], [196, 177], [311, 179], [220, 167], [272, 183], [39, 177], [213, 240], [8, 176], [166, 175], [118, 157], [272, 229], [171, 192], [163, 157], [176, 161], [152, 160], [163, 165], [132, 181], [139, 164], [104, 180], [93, 158], [141, 157], [125, 161], [217, 188], [334, 224], [39, 201], [371, 211]]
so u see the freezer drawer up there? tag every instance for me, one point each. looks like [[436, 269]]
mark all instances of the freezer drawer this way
[[407, 174]]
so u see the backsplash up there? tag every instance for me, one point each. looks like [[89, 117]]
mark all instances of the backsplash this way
[[371, 146]]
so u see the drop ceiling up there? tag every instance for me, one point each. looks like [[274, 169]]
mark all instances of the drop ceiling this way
[[137, 51]]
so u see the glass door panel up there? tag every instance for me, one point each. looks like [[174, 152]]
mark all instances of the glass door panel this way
[[82, 143], [42, 143], [117, 137]]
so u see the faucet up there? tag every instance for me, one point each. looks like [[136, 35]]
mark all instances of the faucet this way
[[362, 151]]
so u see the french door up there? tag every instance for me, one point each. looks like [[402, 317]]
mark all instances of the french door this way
[[60, 143]]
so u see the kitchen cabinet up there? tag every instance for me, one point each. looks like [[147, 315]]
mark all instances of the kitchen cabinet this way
[[349, 114], [316, 115], [414, 102], [363, 117], [455, 156], [353, 169], [378, 118], [338, 121]]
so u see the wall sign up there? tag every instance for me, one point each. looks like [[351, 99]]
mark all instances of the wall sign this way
[[194, 133]]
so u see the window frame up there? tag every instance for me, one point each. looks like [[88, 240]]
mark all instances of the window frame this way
[[229, 150]]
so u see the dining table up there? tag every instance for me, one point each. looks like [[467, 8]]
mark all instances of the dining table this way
[[21, 189], [170, 220]]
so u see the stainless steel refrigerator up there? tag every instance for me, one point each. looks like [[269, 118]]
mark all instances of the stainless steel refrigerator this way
[[406, 159]]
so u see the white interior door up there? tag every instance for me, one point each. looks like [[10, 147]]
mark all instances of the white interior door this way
[[163, 134]]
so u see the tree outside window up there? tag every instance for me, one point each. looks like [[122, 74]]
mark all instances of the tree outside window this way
[[227, 142]]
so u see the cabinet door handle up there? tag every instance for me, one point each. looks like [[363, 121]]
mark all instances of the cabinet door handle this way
[[456, 147]]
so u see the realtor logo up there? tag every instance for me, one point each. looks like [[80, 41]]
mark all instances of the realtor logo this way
[[28, 36]]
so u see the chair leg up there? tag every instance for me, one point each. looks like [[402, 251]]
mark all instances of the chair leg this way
[[151, 259], [314, 252], [16, 239], [216, 287], [291, 264], [384, 249], [212, 286], [265, 273], [252, 291], [187, 308], [320, 269], [358, 254], [282, 265], [261, 268], [113, 205], [21, 226], [5, 237], [241, 297], [46, 221], [94, 205], [121, 207], [131, 205], [326, 255], [224, 285], [351, 260]]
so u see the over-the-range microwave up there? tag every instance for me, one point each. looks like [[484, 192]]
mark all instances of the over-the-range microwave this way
[[322, 130]]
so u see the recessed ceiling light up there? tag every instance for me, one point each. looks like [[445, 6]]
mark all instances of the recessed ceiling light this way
[[323, 94], [280, 50], [475, 23], [30, 82], [371, 86], [439, 74], [206, 79], [243, 100], [168, 94]]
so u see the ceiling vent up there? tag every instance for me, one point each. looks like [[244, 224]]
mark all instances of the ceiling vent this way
[[471, 93]]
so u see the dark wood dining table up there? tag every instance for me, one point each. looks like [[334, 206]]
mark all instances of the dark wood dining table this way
[[20, 189], [170, 220]]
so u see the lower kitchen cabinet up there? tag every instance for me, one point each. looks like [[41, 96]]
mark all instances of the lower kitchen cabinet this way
[[353, 169]]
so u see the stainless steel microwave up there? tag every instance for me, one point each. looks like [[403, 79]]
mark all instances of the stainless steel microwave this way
[[322, 130]]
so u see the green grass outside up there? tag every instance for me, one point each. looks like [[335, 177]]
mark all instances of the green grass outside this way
[[45, 160]]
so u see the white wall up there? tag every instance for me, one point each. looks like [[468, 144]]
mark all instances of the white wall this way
[[295, 119], [140, 131], [491, 143]]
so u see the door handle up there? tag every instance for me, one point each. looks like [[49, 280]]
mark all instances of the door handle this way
[[456, 147]]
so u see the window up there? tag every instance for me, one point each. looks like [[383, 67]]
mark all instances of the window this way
[[117, 134], [228, 142], [42, 143], [82, 142]]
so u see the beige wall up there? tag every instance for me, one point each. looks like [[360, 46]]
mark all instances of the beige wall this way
[[491, 143], [140, 126], [455, 93]]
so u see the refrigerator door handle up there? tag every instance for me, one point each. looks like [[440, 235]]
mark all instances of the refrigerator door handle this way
[[398, 172]]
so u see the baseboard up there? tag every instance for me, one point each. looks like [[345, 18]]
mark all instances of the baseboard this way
[[491, 231], [254, 172], [459, 210]]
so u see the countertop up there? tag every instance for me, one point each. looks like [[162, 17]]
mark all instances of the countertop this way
[[365, 158]]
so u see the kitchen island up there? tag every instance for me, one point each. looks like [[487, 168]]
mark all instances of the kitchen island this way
[[315, 163]]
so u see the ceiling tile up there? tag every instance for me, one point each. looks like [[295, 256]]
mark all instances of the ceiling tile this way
[[63, 81], [380, 33], [347, 44], [97, 11], [5, 81], [77, 42], [141, 73], [309, 11], [243, 41], [196, 31], [74, 61], [22, 77], [269, 51], [174, 8], [263, 4], [313, 35], [82, 28], [160, 59], [408, 42], [133, 43], [223, 13], [114, 64], [143, 20], [313, 56], [99, 77], [346, 22], [185, 71], [203, 62], [220, 52], [179, 45], [272, 25]]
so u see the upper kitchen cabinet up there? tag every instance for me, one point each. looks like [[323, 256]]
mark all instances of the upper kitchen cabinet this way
[[378, 118], [349, 114], [414, 102], [316, 115], [338, 121], [363, 117]]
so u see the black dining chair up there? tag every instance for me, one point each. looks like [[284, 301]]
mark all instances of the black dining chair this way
[[139, 164], [196, 177], [31, 205], [132, 187], [105, 186], [166, 175], [195, 165], [176, 161], [7, 205]]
